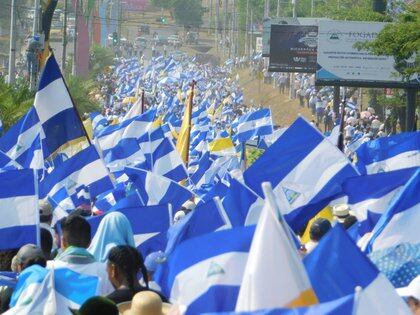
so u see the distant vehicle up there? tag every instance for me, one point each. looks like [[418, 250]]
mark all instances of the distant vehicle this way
[[175, 41], [192, 38], [141, 41]]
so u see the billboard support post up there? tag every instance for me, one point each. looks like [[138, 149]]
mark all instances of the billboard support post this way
[[411, 110], [336, 102]]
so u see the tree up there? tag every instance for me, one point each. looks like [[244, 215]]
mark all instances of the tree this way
[[100, 59], [164, 4], [188, 12], [401, 40]]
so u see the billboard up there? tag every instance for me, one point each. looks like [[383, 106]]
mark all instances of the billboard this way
[[340, 63], [293, 48], [283, 20]]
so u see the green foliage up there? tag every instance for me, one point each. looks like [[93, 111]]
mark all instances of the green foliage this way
[[101, 58], [164, 4], [79, 90], [14, 102], [401, 40], [188, 12], [252, 154]]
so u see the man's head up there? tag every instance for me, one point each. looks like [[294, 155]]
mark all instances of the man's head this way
[[97, 305], [46, 242], [75, 232], [319, 228], [29, 255], [45, 212]]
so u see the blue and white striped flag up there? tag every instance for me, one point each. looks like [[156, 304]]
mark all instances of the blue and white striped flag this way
[[132, 128], [55, 110], [154, 189], [254, 124], [305, 169], [18, 208], [370, 195], [83, 169], [98, 121], [149, 224], [206, 218], [22, 141], [389, 153], [203, 274], [400, 222], [355, 270]]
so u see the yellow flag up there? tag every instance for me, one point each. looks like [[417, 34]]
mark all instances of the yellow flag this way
[[183, 142], [325, 213], [222, 146], [158, 122]]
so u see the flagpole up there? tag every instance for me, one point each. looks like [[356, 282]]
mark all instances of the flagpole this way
[[142, 101], [340, 143], [189, 108]]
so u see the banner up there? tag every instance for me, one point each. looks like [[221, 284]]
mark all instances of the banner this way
[[293, 48], [340, 63], [283, 20]]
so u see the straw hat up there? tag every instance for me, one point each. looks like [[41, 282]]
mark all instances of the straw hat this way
[[147, 303], [341, 212]]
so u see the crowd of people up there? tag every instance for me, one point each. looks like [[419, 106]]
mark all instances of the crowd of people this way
[[111, 274]]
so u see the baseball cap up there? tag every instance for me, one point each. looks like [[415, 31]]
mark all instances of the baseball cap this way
[[29, 252], [45, 208]]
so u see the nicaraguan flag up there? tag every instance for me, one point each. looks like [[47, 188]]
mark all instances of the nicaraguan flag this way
[[83, 169], [242, 205], [400, 222], [126, 153], [206, 218], [272, 252], [389, 153], [18, 208], [98, 121], [153, 189], [22, 141], [370, 195], [34, 293], [305, 170], [355, 269], [254, 124], [132, 128], [55, 110], [149, 224], [204, 273]]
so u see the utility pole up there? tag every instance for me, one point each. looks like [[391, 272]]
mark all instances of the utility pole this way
[[225, 24], [210, 14], [278, 9], [76, 29], [292, 75], [35, 31], [35, 27], [216, 33], [246, 27], [250, 35], [63, 53], [266, 9], [312, 7], [12, 52]]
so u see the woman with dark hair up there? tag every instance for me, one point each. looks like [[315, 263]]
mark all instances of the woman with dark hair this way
[[124, 263]]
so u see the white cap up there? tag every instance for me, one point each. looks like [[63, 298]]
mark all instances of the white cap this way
[[413, 289]]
